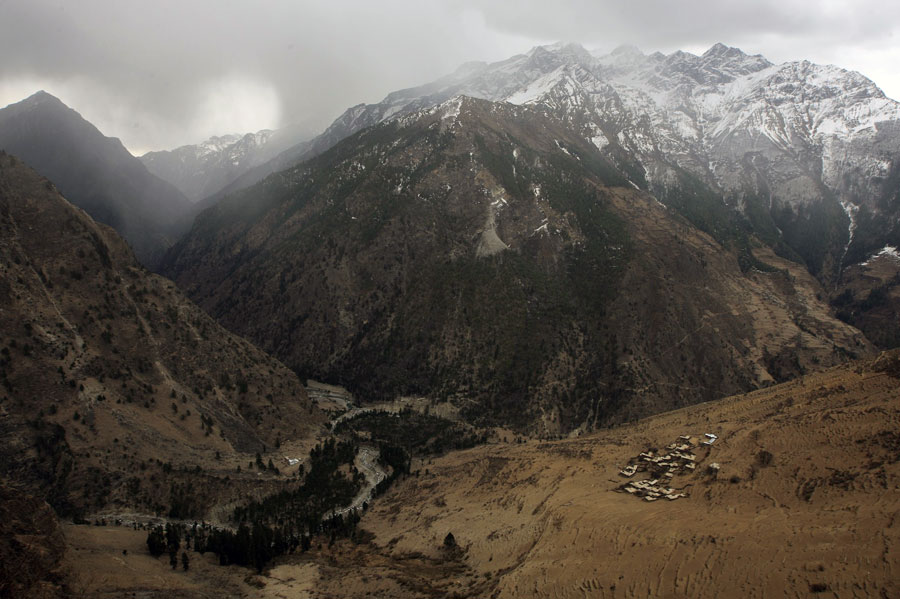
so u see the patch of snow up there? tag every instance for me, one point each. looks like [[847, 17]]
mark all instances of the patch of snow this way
[[391, 111], [537, 89], [452, 108], [887, 251], [597, 137], [684, 125], [891, 252], [850, 210], [558, 145], [600, 141]]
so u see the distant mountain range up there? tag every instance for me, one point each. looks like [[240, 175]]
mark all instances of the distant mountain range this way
[[806, 154], [487, 253], [204, 169], [322, 254], [96, 173], [555, 243]]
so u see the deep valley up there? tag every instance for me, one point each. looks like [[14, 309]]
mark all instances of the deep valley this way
[[569, 324]]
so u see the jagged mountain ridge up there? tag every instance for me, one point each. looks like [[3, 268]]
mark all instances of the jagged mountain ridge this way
[[486, 253], [201, 170], [807, 154], [96, 173], [107, 371]]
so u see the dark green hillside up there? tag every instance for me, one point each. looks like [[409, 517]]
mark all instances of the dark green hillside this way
[[476, 252]]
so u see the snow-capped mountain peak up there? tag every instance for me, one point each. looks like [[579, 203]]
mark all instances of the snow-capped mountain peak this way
[[792, 136], [202, 169]]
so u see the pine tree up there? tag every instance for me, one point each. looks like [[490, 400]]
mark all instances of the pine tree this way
[[156, 541]]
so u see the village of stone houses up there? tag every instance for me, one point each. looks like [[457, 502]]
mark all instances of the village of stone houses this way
[[661, 469]]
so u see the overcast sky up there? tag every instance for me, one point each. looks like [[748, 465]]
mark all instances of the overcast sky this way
[[162, 73]]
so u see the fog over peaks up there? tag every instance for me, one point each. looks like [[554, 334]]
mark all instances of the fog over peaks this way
[[163, 74]]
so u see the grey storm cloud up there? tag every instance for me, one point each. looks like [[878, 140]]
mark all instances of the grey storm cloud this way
[[164, 73], [686, 22]]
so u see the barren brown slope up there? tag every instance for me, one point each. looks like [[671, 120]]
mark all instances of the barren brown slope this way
[[116, 390], [804, 503], [545, 520]]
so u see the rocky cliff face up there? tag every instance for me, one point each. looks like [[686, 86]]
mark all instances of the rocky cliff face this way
[[115, 388], [488, 253]]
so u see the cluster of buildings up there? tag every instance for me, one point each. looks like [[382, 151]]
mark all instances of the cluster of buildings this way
[[651, 490], [662, 468]]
